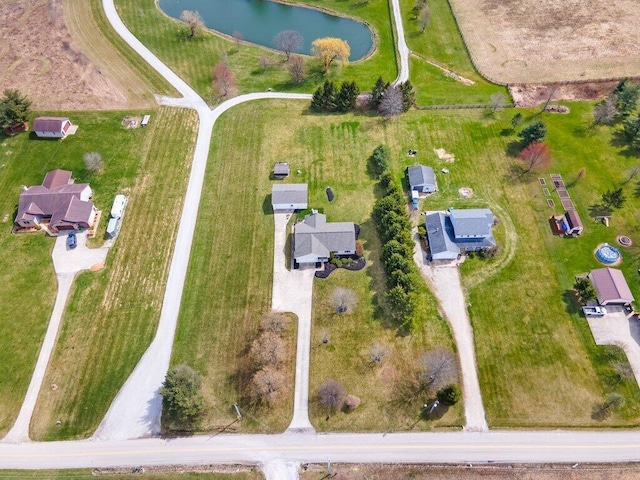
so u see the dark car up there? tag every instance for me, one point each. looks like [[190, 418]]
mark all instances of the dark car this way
[[72, 242]]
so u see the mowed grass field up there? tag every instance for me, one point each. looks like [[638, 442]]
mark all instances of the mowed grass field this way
[[111, 315], [193, 60], [538, 364], [27, 298], [533, 350], [442, 44]]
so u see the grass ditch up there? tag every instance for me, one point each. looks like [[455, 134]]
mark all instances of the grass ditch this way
[[112, 315]]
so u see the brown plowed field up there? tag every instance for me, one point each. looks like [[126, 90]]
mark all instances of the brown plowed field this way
[[526, 41]]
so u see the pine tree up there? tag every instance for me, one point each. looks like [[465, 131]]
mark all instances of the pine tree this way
[[408, 95], [347, 96], [377, 92], [317, 101], [14, 108], [330, 96]]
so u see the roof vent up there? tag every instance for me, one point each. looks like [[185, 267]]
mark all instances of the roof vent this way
[[24, 188]]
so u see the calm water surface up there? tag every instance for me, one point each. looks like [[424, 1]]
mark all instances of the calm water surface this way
[[259, 21]]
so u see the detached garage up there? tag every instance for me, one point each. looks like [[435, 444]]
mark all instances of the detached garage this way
[[610, 286], [51, 127], [290, 196]]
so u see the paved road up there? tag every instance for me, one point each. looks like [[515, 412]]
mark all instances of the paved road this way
[[445, 282], [293, 292], [454, 447], [66, 263]]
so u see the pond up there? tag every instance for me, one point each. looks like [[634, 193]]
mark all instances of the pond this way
[[259, 21]]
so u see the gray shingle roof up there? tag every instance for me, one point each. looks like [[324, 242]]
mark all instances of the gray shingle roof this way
[[48, 124], [440, 234], [314, 235], [472, 222], [421, 175], [289, 193], [281, 169]]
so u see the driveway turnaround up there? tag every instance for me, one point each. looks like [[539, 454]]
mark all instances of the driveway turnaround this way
[[618, 328], [293, 292], [67, 263], [445, 281]]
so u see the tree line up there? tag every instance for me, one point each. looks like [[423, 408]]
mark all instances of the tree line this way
[[394, 228]]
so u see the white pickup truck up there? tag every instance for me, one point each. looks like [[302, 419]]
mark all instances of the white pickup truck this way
[[594, 311]]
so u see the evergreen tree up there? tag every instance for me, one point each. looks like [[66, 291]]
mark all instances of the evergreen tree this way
[[317, 100], [632, 130], [14, 108], [628, 94], [347, 96], [376, 93], [330, 96], [534, 132], [408, 95]]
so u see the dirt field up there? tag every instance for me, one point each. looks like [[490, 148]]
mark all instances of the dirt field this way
[[479, 472], [551, 40], [52, 64]]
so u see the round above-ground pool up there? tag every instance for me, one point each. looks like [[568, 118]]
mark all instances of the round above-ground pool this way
[[608, 254]]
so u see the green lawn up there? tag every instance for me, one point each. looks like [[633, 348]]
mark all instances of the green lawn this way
[[533, 349], [193, 60], [29, 282], [112, 315], [442, 44]]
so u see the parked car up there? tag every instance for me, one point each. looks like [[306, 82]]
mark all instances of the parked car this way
[[594, 311], [72, 241]]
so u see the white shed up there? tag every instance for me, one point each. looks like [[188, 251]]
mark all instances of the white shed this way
[[289, 196], [51, 127]]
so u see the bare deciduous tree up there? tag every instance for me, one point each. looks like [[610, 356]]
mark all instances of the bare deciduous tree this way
[[437, 368], [423, 18], [224, 80], [288, 41], [268, 349], [377, 353], [193, 20], [331, 394], [391, 104], [498, 101], [93, 162], [237, 36], [343, 299], [265, 62], [297, 69], [267, 386], [606, 111], [274, 322]]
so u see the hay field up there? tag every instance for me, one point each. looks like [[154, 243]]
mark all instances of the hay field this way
[[551, 40]]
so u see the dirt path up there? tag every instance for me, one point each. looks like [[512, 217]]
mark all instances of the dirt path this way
[[445, 283]]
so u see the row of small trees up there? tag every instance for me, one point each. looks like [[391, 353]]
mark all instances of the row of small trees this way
[[618, 105], [328, 98], [394, 229], [267, 357]]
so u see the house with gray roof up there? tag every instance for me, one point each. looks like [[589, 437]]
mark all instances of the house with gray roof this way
[[315, 239], [452, 233], [422, 179], [60, 202], [289, 196], [610, 286]]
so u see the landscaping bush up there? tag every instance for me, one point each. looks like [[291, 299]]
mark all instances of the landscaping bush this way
[[449, 395], [359, 249]]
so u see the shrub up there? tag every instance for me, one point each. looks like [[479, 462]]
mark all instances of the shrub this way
[[449, 395], [351, 403], [359, 249]]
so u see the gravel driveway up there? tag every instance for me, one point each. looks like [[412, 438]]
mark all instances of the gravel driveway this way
[[445, 282]]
